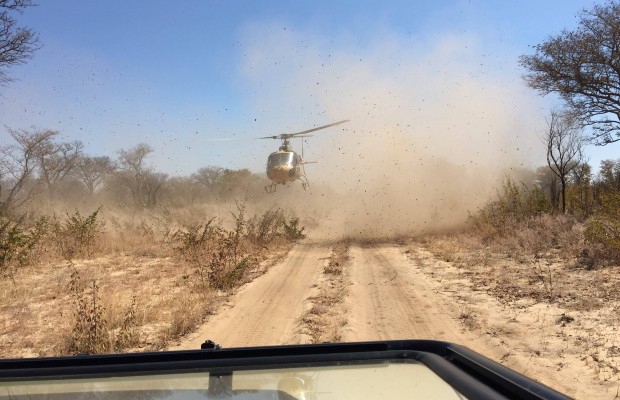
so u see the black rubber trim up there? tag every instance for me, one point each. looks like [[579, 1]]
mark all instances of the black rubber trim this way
[[469, 373]]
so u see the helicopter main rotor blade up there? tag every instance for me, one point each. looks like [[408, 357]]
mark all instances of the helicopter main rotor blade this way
[[315, 129], [303, 133], [284, 137]]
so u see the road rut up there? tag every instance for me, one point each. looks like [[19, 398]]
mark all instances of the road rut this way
[[389, 299], [267, 310]]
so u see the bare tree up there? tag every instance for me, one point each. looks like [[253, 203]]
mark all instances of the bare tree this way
[[18, 167], [151, 187], [35, 156], [581, 179], [208, 181], [144, 184], [583, 67], [208, 177], [55, 160], [92, 170], [547, 181], [564, 143], [17, 44]]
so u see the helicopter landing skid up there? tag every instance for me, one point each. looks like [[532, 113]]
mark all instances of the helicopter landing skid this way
[[305, 183], [271, 188]]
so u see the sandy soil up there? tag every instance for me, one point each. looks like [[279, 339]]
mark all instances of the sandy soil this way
[[266, 311], [390, 301], [404, 292]]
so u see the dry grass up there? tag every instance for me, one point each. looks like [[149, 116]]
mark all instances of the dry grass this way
[[539, 262], [136, 291]]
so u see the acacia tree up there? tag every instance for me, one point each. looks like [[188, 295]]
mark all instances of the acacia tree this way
[[144, 184], [17, 44], [55, 160], [564, 143], [583, 67], [36, 160], [91, 171]]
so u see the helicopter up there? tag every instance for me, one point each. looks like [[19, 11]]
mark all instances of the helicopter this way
[[286, 165]]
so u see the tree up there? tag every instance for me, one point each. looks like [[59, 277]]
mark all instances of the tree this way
[[564, 143], [583, 67], [91, 171], [17, 44], [547, 181], [143, 183], [581, 188], [209, 177], [36, 156], [18, 167], [610, 174], [55, 160]]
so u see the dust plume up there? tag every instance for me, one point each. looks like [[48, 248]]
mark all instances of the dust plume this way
[[434, 126]]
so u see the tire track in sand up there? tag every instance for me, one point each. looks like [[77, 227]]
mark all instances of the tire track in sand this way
[[388, 300], [267, 310]]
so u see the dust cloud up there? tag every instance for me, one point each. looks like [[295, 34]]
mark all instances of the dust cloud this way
[[435, 126]]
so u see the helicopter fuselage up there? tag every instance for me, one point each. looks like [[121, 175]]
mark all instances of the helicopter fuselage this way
[[284, 166]]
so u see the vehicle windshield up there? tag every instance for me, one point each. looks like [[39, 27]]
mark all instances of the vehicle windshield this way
[[271, 173], [359, 381]]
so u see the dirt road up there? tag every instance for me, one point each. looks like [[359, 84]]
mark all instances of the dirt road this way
[[391, 300], [392, 291], [387, 300], [266, 311]]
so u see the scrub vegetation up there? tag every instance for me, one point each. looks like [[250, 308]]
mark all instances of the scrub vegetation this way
[[111, 281]]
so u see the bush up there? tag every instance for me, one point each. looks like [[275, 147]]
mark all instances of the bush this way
[[266, 227], [603, 230], [77, 236], [18, 243], [196, 244], [222, 258], [90, 333], [292, 230], [514, 203]]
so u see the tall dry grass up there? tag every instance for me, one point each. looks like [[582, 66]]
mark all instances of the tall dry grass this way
[[102, 281]]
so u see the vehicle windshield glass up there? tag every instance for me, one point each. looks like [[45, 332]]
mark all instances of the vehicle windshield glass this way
[[386, 379], [273, 173]]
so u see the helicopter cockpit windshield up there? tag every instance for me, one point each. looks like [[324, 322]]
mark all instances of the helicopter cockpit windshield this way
[[281, 159]]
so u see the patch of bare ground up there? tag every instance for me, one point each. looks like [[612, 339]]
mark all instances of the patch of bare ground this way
[[157, 293], [326, 312], [558, 321]]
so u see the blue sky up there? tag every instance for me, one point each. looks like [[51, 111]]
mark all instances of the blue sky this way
[[177, 74]]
